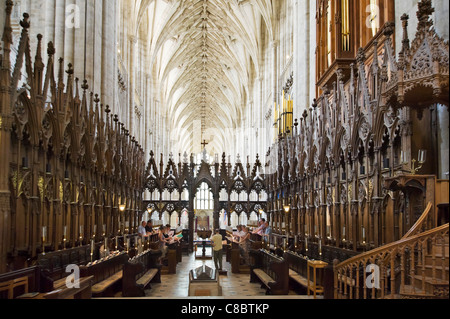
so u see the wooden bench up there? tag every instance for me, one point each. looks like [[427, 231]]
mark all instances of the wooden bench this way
[[298, 274], [54, 264], [107, 273], [83, 292], [298, 268], [19, 282], [234, 255], [139, 272], [170, 262], [271, 270]]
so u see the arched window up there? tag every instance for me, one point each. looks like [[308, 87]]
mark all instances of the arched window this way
[[204, 198], [185, 219]]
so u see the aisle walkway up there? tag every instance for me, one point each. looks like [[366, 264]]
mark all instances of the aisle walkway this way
[[233, 285]]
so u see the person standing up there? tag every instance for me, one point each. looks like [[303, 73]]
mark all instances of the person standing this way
[[244, 245], [267, 232], [149, 227], [142, 232], [163, 241], [217, 244]]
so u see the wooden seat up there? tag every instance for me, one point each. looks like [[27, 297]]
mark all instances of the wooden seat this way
[[298, 278], [6, 286], [84, 292], [272, 271], [139, 272], [101, 287], [148, 277], [19, 282], [171, 263], [107, 273], [59, 283], [265, 278]]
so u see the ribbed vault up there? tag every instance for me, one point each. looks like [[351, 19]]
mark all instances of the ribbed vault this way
[[203, 55]]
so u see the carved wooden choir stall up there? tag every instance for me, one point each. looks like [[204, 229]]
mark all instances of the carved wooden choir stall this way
[[352, 185]]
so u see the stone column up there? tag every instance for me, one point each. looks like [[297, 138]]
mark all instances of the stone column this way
[[80, 42], [37, 11], [108, 73], [275, 70], [132, 83], [60, 29], [302, 61], [69, 38], [354, 224], [5, 136], [50, 19]]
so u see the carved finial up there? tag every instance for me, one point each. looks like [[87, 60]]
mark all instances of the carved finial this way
[[9, 6], [85, 86], [405, 41], [25, 23], [389, 29], [51, 48], [305, 114], [361, 56], [39, 38], [77, 80], [7, 34], [423, 14], [70, 70]]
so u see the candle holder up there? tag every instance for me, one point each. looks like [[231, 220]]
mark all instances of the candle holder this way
[[81, 236], [364, 236], [92, 249], [44, 235], [43, 245], [422, 158], [320, 247]]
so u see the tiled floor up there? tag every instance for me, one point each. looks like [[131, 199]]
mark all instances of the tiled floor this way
[[233, 285]]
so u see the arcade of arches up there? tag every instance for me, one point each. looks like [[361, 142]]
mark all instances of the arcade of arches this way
[[329, 119]]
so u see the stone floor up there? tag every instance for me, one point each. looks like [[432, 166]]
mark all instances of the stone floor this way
[[233, 285]]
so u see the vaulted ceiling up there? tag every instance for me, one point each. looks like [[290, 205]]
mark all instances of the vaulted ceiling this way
[[204, 55]]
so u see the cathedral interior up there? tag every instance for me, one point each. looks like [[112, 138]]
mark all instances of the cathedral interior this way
[[327, 119]]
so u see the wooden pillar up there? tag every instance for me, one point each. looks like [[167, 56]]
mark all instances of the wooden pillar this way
[[5, 138], [216, 197], [191, 219]]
